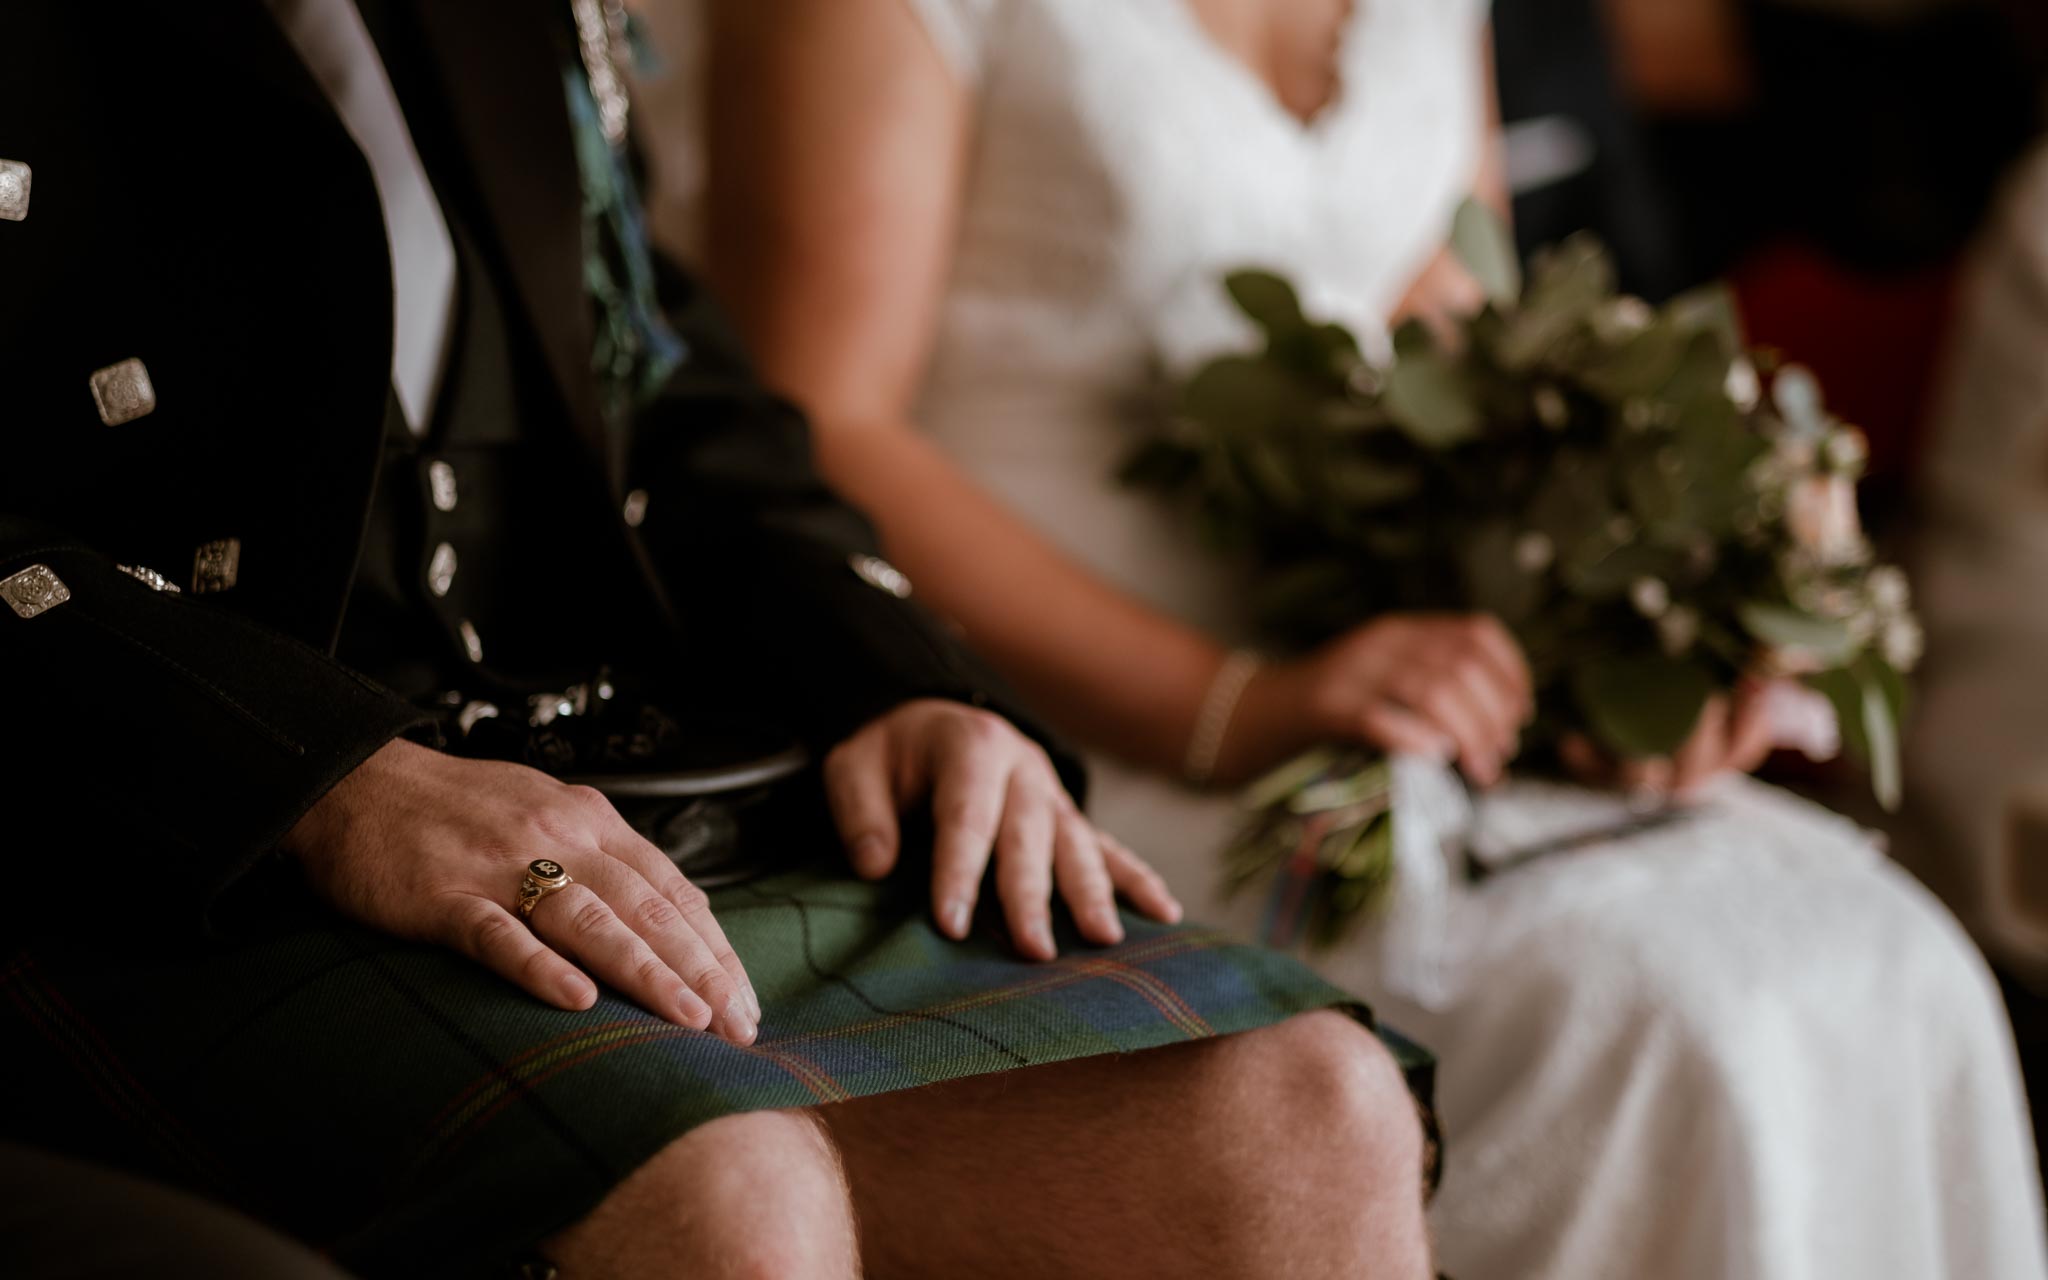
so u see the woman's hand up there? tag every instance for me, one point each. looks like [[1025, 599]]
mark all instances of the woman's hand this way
[[430, 847], [1451, 687], [1442, 297], [1734, 735], [994, 796]]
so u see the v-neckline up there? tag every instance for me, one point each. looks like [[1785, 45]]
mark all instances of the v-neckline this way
[[1306, 128]]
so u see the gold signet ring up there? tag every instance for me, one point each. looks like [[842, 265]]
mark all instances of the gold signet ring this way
[[543, 877]]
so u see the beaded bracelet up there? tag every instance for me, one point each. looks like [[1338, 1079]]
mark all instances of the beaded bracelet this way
[[1219, 704]]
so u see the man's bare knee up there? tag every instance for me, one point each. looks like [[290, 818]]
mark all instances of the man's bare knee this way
[[1337, 1186], [1342, 1085], [758, 1196]]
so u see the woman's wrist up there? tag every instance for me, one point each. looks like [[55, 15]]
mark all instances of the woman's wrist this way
[[1214, 716], [1269, 724]]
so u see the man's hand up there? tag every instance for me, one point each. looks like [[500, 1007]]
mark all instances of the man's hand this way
[[994, 795], [433, 848]]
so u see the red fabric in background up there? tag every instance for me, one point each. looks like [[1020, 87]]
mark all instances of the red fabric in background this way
[[1874, 341]]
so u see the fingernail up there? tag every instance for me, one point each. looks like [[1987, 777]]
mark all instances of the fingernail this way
[[737, 1024], [1038, 940], [753, 1003], [1109, 926], [691, 1007], [953, 918], [868, 855], [576, 989]]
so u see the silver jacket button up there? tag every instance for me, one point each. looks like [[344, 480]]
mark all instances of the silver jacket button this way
[[216, 566], [123, 392], [441, 485], [150, 578], [881, 575], [34, 590], [14, 176], [441, 570], [635, 511]]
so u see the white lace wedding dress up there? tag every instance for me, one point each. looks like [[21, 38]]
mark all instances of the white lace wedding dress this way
[[1744, 1047]]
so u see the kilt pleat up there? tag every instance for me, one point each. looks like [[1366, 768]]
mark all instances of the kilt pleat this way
[[411, 1114]]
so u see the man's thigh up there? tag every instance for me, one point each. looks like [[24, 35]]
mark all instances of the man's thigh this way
[[63, 1218], [1191, 1160]]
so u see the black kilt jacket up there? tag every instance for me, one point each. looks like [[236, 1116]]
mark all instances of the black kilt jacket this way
[[195, 352]]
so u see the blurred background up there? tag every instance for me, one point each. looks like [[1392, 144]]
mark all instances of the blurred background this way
[[1872, 178]]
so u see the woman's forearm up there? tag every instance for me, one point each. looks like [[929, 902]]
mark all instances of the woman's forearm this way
[[1102, 666]]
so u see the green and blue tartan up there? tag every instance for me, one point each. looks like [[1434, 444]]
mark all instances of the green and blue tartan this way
[[413, 1114]]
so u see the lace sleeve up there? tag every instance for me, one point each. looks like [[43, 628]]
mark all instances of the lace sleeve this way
[[960, 29]]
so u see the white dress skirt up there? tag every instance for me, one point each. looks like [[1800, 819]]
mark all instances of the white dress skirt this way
[[1741, 1047]]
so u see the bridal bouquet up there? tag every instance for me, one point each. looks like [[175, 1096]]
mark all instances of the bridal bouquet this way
[[1652, 508]]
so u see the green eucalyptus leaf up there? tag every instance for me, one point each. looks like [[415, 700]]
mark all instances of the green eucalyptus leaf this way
[[1881, 736], [1362, 483], [1567, 285], [1494, 582], [1710, 309], [1286, 779], [1641, 706], [1163, 465], [1869, 697], [1781, 626], [1272, 474], [1483, 243], [1245, 393], [1600, 569], [1434, 400], [1269, 300], [1844, 692]]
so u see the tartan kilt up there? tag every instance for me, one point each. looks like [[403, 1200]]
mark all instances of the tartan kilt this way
[[411, 1114]]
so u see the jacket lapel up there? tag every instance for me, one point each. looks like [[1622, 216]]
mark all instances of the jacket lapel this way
[[501, 67]]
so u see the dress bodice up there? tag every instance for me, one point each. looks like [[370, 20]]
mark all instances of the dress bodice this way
[[1122, 162]]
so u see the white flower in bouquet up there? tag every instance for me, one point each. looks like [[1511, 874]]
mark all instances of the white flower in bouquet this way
[[1650, 597], [1847, 451], [1745, 390], [1796, 394], [1534, 552], [1890, 590], [1678, 629], [1904, 643], [1820, 512]]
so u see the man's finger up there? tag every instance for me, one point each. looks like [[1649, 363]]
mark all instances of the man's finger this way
[[578, 923], [495, 938], [1024, 875], [664, 924], [655, 867], [1135, 879], [967, 805], [1079, 867], [864, 804]]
